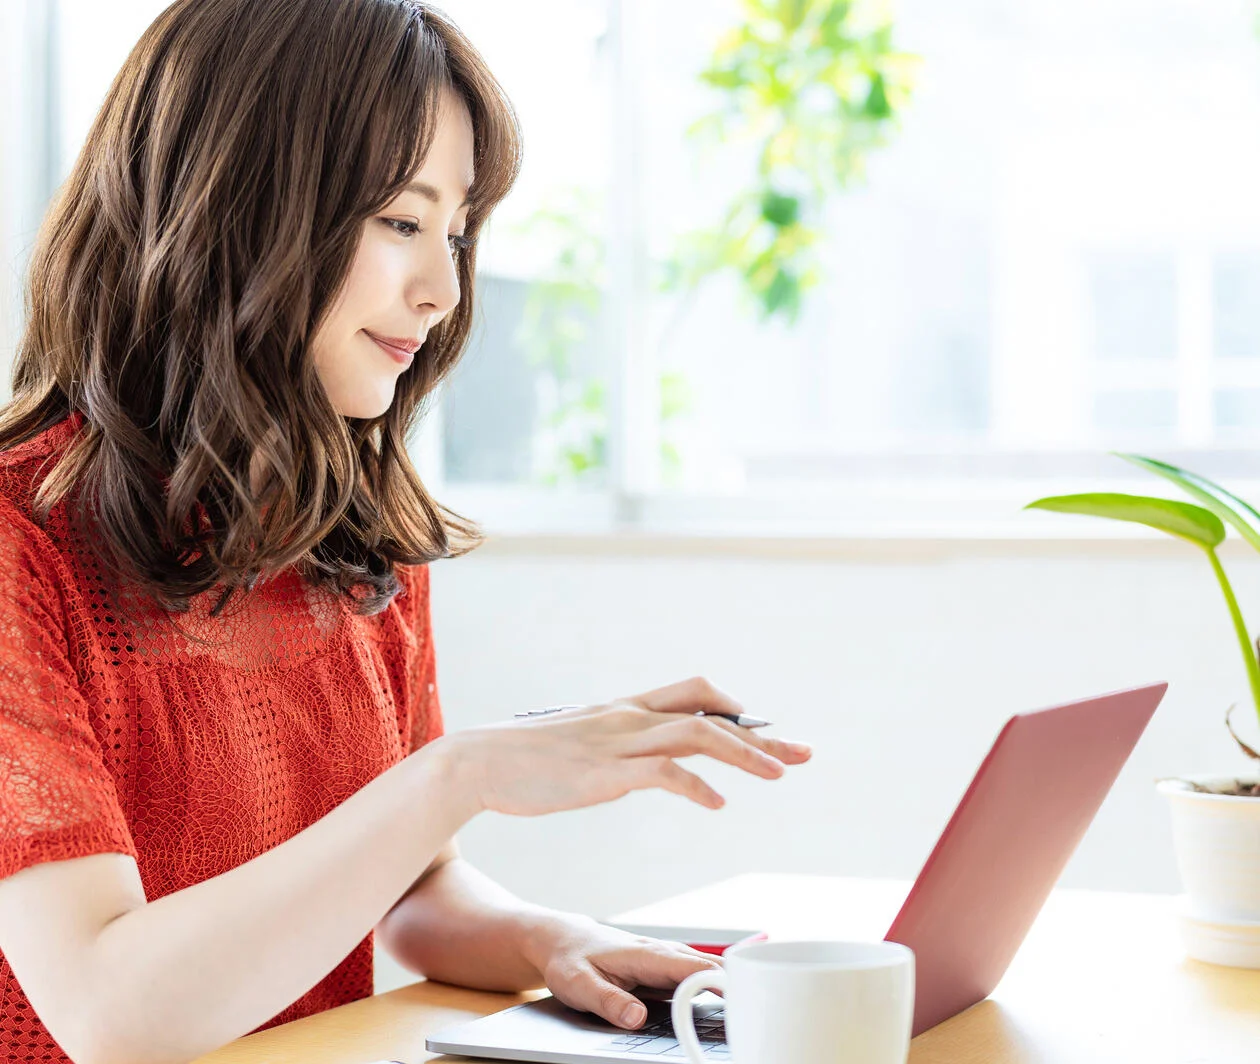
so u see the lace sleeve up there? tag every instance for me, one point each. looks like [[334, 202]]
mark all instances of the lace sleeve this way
[[426, 710], [57, 799]]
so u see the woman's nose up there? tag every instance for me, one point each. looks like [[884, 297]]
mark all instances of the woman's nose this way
[[439, 286]]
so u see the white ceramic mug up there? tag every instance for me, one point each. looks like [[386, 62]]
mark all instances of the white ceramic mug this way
[[808, 1003]]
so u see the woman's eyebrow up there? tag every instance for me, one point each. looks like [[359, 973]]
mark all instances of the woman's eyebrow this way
[[430, 193]]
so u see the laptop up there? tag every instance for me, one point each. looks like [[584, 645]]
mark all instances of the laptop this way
[[1029, 804]]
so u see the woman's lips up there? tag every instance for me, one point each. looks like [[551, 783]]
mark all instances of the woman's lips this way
[[402, 355]]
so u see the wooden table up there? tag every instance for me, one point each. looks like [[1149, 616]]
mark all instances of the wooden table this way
[[1101, 979]]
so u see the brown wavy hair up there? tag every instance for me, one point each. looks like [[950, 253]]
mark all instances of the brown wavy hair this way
[[187, 261]]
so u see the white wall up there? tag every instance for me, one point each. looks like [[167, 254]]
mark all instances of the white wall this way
[[898, 662]]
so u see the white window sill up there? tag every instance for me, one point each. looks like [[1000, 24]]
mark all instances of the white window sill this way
[[841, 547], [935, 521]]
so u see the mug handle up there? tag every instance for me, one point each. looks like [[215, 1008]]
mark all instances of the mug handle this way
[[680, 1011]]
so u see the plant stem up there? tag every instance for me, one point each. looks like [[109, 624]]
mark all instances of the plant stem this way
[[1240, 629]]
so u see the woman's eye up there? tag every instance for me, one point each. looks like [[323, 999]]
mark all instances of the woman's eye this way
[[457, 241], [402, 228]]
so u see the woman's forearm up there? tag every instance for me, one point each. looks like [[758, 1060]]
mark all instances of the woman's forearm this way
[[180, 976], [458, 926]]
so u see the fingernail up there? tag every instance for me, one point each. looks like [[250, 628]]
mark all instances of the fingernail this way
[[801, 748], [633, 1016]]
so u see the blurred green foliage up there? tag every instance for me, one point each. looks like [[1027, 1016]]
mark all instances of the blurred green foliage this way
[[560, 321], [808, 88], [559, 334]]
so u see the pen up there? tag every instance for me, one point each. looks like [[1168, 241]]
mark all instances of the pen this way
[[742, 719]]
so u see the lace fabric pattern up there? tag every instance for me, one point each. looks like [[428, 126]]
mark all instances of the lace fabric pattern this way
[[189, 742]]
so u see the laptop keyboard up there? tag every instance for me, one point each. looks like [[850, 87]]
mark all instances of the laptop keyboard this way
[[656, 1037]]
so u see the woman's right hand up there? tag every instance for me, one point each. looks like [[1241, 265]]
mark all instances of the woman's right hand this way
[[595, 754]]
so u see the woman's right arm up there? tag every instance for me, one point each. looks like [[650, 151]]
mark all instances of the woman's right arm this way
[[117, 979]]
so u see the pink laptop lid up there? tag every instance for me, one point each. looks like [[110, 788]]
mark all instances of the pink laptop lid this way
[[1026, 810]]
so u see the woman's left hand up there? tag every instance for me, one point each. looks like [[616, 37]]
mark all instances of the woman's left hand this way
[[592, 967]]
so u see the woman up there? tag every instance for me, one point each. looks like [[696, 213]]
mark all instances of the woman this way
[[221, 754]]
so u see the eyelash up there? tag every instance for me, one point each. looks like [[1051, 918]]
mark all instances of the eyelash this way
[[409, 229]]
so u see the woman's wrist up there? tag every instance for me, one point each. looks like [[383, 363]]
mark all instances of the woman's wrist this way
[[544, 931], [444, 765]]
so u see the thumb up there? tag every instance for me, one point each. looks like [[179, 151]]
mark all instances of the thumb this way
[[588, 990]]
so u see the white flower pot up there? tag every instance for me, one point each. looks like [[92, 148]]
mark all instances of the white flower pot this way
[[1216, 838]]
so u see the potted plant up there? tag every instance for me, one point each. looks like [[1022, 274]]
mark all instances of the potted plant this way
[[1216, 818]]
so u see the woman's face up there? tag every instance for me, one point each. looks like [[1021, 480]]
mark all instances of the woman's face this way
[[403, 279]]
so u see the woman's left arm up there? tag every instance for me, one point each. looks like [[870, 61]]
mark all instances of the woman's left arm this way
[[456, 925]]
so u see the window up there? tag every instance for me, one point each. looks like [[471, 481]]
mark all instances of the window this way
[[1055, 253]]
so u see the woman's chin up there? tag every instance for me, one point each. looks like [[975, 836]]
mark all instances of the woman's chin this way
[[366, 407]]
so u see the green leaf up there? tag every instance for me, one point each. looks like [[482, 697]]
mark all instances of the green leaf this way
[[877, 99], [782, 294], [1227, 506], [1182, 519], [780, 210]]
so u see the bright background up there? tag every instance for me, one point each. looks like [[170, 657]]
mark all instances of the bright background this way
[[1053, 252]]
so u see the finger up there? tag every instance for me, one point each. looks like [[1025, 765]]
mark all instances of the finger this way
[[688, 696], [681, 947], [691, 951], [699, 695], [784, 750], [661, 772], [588, 990], [700, 735], [656, 964]]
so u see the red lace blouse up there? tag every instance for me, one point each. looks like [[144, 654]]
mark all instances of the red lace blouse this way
[[191, 743]]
